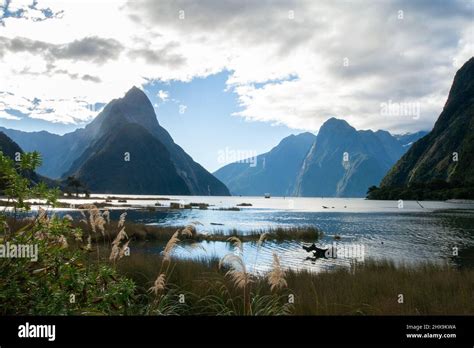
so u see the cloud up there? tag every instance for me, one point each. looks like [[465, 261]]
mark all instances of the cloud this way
[[159, 55], [22, 105], [294, 62], [89, 49], [163, 95], [27, 9], [182, 108], [88, 77], [95, 49], [408, 58], [7, 116], [63, 111]]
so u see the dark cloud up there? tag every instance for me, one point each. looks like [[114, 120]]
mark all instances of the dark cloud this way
[[91, 49], [94, 49], [88, 77], [243, 21], [22, 45], [162, 56], [75, 76]]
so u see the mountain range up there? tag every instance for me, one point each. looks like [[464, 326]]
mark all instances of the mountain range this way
[[123, 150], [272, 172], [339, 162]]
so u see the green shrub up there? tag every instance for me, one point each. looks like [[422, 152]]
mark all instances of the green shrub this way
[[60, 280]]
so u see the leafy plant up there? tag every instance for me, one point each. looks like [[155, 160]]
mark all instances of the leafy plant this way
[[61, 279]]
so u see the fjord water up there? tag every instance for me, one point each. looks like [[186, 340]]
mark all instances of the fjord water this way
[[417, 232]]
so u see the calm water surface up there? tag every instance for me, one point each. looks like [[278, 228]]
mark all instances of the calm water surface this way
[[416, 232]]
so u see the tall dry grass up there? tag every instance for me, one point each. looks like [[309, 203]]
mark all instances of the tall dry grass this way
[[371, 288]]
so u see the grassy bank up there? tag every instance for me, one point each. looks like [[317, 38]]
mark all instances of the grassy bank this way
[[371, 288], [196, 233], [278, 234], [143, 232]]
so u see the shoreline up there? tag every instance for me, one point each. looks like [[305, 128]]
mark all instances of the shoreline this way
[[296, 205]]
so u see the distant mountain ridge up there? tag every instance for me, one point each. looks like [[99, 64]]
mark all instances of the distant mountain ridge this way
[[344, 162], [308, 165], [274, 172], [95, 154], [58, 152], [408, 139]]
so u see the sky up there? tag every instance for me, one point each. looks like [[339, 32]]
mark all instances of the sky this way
[[233, 75]]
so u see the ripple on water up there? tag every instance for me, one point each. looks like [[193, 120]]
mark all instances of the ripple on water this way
[[402, 236]]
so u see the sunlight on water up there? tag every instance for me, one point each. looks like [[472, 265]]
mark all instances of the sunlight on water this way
[[420, 231], [307, 204], [423, 231]]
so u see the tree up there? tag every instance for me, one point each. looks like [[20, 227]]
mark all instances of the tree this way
[[74, 183], [17, 188]]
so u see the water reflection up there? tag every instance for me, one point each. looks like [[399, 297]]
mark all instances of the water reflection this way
[[408, 236], [402, 237]]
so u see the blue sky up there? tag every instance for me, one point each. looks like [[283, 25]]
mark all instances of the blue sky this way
[[207, 125]]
